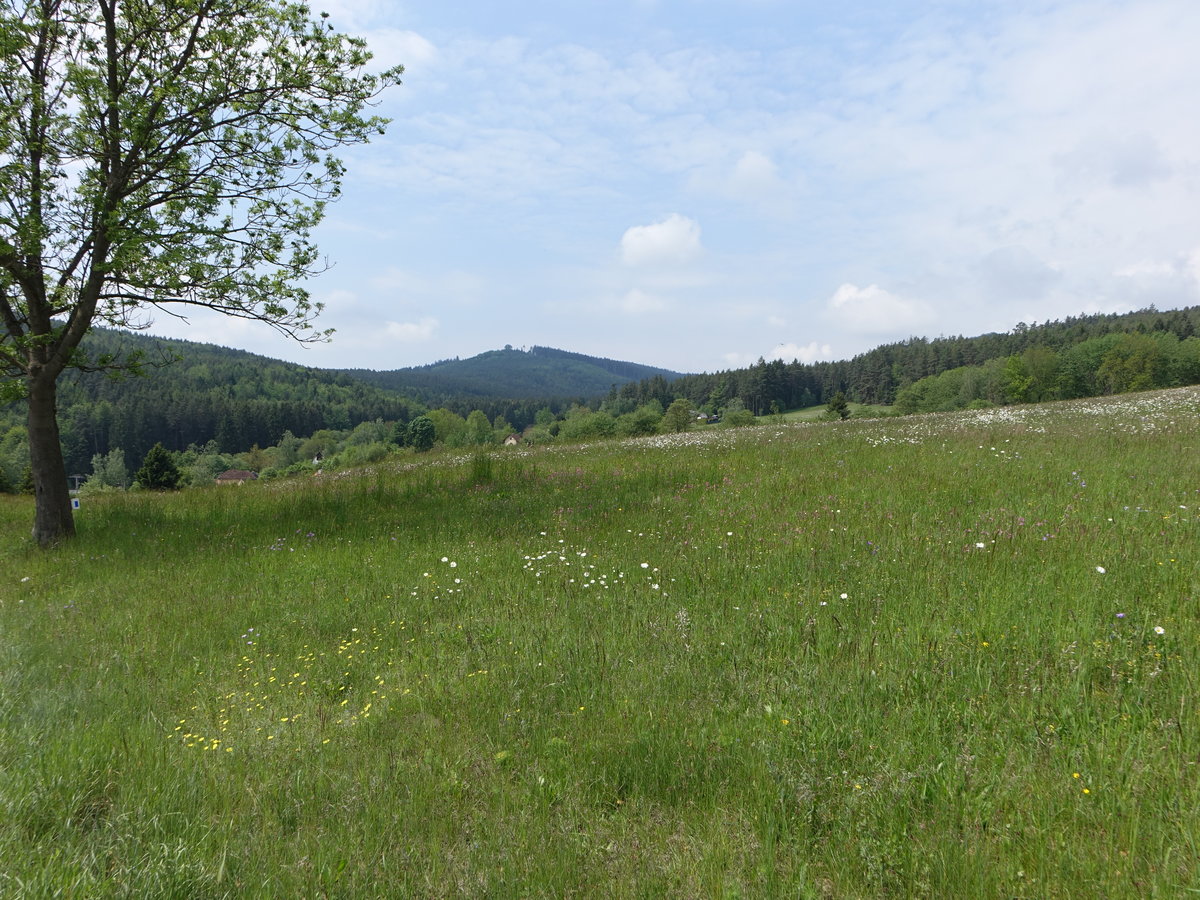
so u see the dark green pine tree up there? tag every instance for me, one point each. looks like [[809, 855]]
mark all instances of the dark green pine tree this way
[[838, 406], [158, 471]]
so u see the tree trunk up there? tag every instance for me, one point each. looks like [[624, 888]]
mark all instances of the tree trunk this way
[[53, 520]]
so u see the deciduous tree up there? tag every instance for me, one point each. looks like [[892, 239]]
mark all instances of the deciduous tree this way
[[160, 154], [678, 416]]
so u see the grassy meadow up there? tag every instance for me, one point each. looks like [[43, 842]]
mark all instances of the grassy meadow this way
[[942, 656]]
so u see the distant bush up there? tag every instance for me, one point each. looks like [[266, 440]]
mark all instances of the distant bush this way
[[642, 421], [538, 434], [303, 467], [587, 425], [361, 455], [735, 415]]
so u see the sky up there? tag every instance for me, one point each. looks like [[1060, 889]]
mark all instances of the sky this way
[[695, 184]]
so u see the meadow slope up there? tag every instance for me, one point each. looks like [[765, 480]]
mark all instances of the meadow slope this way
[[947, 655]]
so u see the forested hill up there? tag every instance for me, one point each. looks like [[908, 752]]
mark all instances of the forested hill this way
[[207, 393], [536, 373], [192, 393], [1077, 357]]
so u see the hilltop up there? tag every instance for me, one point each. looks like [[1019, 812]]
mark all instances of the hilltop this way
[[536, 373]]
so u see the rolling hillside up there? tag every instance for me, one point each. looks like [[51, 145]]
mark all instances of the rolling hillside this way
[[539, 372]]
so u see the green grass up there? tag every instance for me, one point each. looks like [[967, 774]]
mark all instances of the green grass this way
[[753, 662]]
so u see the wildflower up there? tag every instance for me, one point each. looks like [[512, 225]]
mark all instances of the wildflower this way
[[980, 544], [1120, 615], [845, 596], [1158, 629], [1100, 569]]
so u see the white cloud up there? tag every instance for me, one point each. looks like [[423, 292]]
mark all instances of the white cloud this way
[[806, 353], [673, 241], [872, 310], [395, 46], [1013, 273], [1163, 283], [411, 332], [449, 288], [1193, 264], [753, 180], [1147, 267], [1119, 161], [638, 302], [755, 174]]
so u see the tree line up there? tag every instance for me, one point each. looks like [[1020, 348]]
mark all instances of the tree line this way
[[879, 376]]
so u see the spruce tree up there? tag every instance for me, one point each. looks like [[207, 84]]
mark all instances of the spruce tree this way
[[158, 471]]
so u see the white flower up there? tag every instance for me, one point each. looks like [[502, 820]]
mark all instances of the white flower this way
[[645, 565], [1158, 629], [845, 596], [453, 565], [980, 544], [1100, 569]]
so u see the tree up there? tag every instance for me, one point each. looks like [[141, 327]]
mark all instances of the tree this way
[[448, 427], [158, 471], [108, 469], [678, 416], [837, 406], [421, 433], [478, 429], [174, 153]]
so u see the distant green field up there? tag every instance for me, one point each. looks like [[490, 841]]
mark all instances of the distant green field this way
[[940, 656], [820, 413]]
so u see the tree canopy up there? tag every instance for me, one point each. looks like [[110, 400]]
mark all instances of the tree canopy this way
[[160, 154]]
